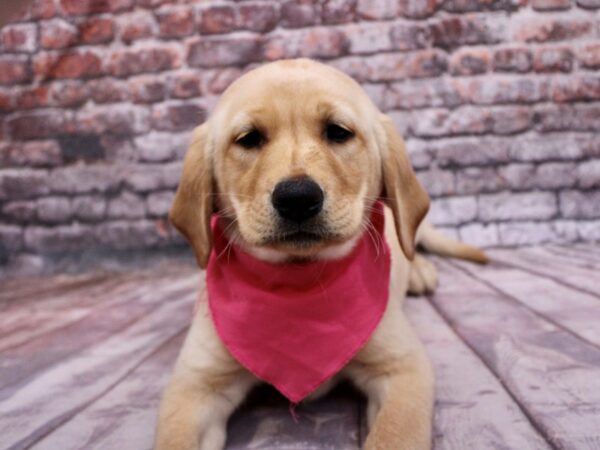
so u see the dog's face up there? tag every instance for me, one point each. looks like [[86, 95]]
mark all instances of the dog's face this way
[[293, 158]]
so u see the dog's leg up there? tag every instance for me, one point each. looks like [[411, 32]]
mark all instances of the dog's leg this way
[[395, 373], [206, 387], [400, 407], [422, 276], [193, 417]]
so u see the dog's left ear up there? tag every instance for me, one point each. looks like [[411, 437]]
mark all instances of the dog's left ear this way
[[401, 189], [194, 201]]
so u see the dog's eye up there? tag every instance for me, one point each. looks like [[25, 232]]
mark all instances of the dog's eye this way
[[253, 139], [337, 134]]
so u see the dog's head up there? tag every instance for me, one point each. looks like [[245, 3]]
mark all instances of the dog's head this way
[[293, 157]]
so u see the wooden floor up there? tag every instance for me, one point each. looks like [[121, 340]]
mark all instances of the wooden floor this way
[[516, 349]]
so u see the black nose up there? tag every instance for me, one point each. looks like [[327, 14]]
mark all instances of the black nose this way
[[298, 199]]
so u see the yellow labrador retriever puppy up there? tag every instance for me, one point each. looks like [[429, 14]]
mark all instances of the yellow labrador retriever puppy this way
[[301, 120]]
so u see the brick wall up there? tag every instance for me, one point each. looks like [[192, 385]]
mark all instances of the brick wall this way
[[499, 101]]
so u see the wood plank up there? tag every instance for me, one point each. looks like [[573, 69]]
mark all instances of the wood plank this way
[[588, 249], [30, 320], [20, 363], [13, 290], [553, 375], [581, 256], [546, 264], [573, 310], [266, 423], [473, 411], [124, 417], [56, 395]]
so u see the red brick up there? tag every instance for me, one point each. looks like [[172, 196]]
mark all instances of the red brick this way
[[418, 9], [257, 17], [441, 122], [311, 43], [302, 13], [221, 79], [42, 9], [130, 62], [412, 94], [224, 51], [175, 22], [33, 154], [372, 37], [126, 205], [14, 69], [217, 19], [69, 94], [582, 117], [106, 90], [146, 89], [549, 29], [553, 60], [410, 37], [377, 9], [83, 64], [84, 7], [550, 5], [589, 56], [589, 4], [576, 88], [177, 117], [391, 67], [18, 38], [510, 120], [23, 183], [469, 61], [115, 119], [474, 180], [38, 125], [470, 29], [96, 31], [38, 9], [20, 211], [426, 63], [6, 101], [32, 97], [338, 11], [58, 239], [513, 60], [185, 85], [499, 90], [57, 33], [136, 25]]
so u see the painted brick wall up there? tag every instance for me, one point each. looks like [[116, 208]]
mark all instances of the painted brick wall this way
[[499, 101]]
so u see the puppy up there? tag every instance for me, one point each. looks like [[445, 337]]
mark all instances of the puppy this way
[[311, 128]]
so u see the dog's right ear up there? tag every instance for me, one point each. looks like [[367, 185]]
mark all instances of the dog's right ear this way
[[193, 205]]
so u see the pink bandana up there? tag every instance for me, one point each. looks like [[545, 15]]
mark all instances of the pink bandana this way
[[296, 325]]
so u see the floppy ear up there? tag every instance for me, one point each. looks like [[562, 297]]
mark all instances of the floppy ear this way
[[402, 191], [193, 205]]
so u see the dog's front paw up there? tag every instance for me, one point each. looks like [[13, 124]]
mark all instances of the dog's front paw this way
[[423, 276]]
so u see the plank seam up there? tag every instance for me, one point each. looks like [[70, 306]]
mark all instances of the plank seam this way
[[71, 355], [512, 299], [68, 416], [108, 304], [549, 277], [530, 418]]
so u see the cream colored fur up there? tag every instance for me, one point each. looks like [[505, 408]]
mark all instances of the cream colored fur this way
[[291, 100]]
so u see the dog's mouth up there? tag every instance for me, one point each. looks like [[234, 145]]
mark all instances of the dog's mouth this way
[[301, 238]]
